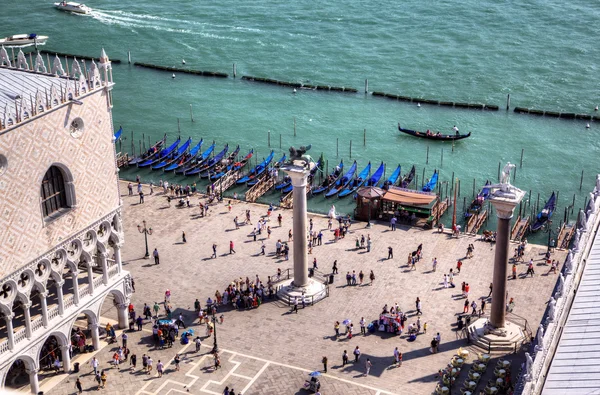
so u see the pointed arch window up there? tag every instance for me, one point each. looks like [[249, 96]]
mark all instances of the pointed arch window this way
[[54, 192]]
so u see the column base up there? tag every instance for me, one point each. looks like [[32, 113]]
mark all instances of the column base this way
[[490, 339], [314, 291]]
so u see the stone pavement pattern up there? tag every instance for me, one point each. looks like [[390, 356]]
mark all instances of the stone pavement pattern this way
[[291, 345]]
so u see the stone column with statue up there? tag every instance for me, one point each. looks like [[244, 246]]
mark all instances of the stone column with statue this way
[[504, 197], [298, 168]]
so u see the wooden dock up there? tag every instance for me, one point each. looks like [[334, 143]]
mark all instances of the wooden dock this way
[[519, 228], [476, 222], [227, 181], [565, 234], [265, 183], [122, 159]]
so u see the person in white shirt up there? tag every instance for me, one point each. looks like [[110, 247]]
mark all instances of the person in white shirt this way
[[363, 324]]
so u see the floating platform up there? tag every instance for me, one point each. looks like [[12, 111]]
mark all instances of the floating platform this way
[[180, 70], [472, 106]]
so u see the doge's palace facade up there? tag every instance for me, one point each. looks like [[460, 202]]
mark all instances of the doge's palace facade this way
[[60, 210]]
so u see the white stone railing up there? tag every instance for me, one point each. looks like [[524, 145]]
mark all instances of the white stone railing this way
[[69, 301], [20, 335], [532, 381], [84, 291], [53, 312], [4, 346], [112, 271], [37, 323], [97, 282]]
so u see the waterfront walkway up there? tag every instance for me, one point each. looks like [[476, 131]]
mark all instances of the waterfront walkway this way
[[270, 351]]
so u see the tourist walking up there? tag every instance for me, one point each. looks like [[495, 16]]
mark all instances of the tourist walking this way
[[324, 361], [183, 237], [418, 306], [371, 277], [150, 362], [177, 360], [336, 327], [231, 250], [133, 361], [159, 368], [78, 386], [156, 257], [445, 281], [103, 378], [295, 305], [368, 366], [390, 253], [94, 363], [363, 326], [334, 269], [393, 223], [458, 265], [434, 264], [530, 268], [491, 287], [214, 248], [356, 354], [344, 358]]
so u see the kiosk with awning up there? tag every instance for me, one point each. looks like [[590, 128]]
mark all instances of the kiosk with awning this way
[[410, 206]]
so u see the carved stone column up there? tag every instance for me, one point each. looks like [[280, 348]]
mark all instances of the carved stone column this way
[[90, 277], [33, 380], [66, 358], [27, 315], [10, 330], [122, 314], [75, 284], [43, 296], [104, 265], [95, 335], [60, 296], [117, 248]]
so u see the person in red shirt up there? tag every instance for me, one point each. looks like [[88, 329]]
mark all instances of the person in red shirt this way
[[231, 250], [458, 265]]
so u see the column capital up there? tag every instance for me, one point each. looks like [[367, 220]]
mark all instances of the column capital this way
[[9, 316], [44, 294], [65, 347], [94, 325], [32, 371], [27, 305], [123, 305]]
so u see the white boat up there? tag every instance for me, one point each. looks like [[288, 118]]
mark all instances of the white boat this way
[[23, 40], [70, 6]]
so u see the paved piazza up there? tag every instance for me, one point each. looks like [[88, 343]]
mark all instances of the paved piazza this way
[[270, 351]]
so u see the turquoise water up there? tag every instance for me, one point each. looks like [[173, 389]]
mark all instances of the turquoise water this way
[[541, 52]]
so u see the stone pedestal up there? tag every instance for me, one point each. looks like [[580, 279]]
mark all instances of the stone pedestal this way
[[312, 289]]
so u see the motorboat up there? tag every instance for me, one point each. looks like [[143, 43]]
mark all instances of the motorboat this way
[[23, 40], [70, 6]]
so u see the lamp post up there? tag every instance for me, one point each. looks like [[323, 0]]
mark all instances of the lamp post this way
[[146, 232], [215, 346]]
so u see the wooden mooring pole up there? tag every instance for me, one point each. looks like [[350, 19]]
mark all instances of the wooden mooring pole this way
[[521, 163], [427, 158], [581, 182], [191, 113]]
